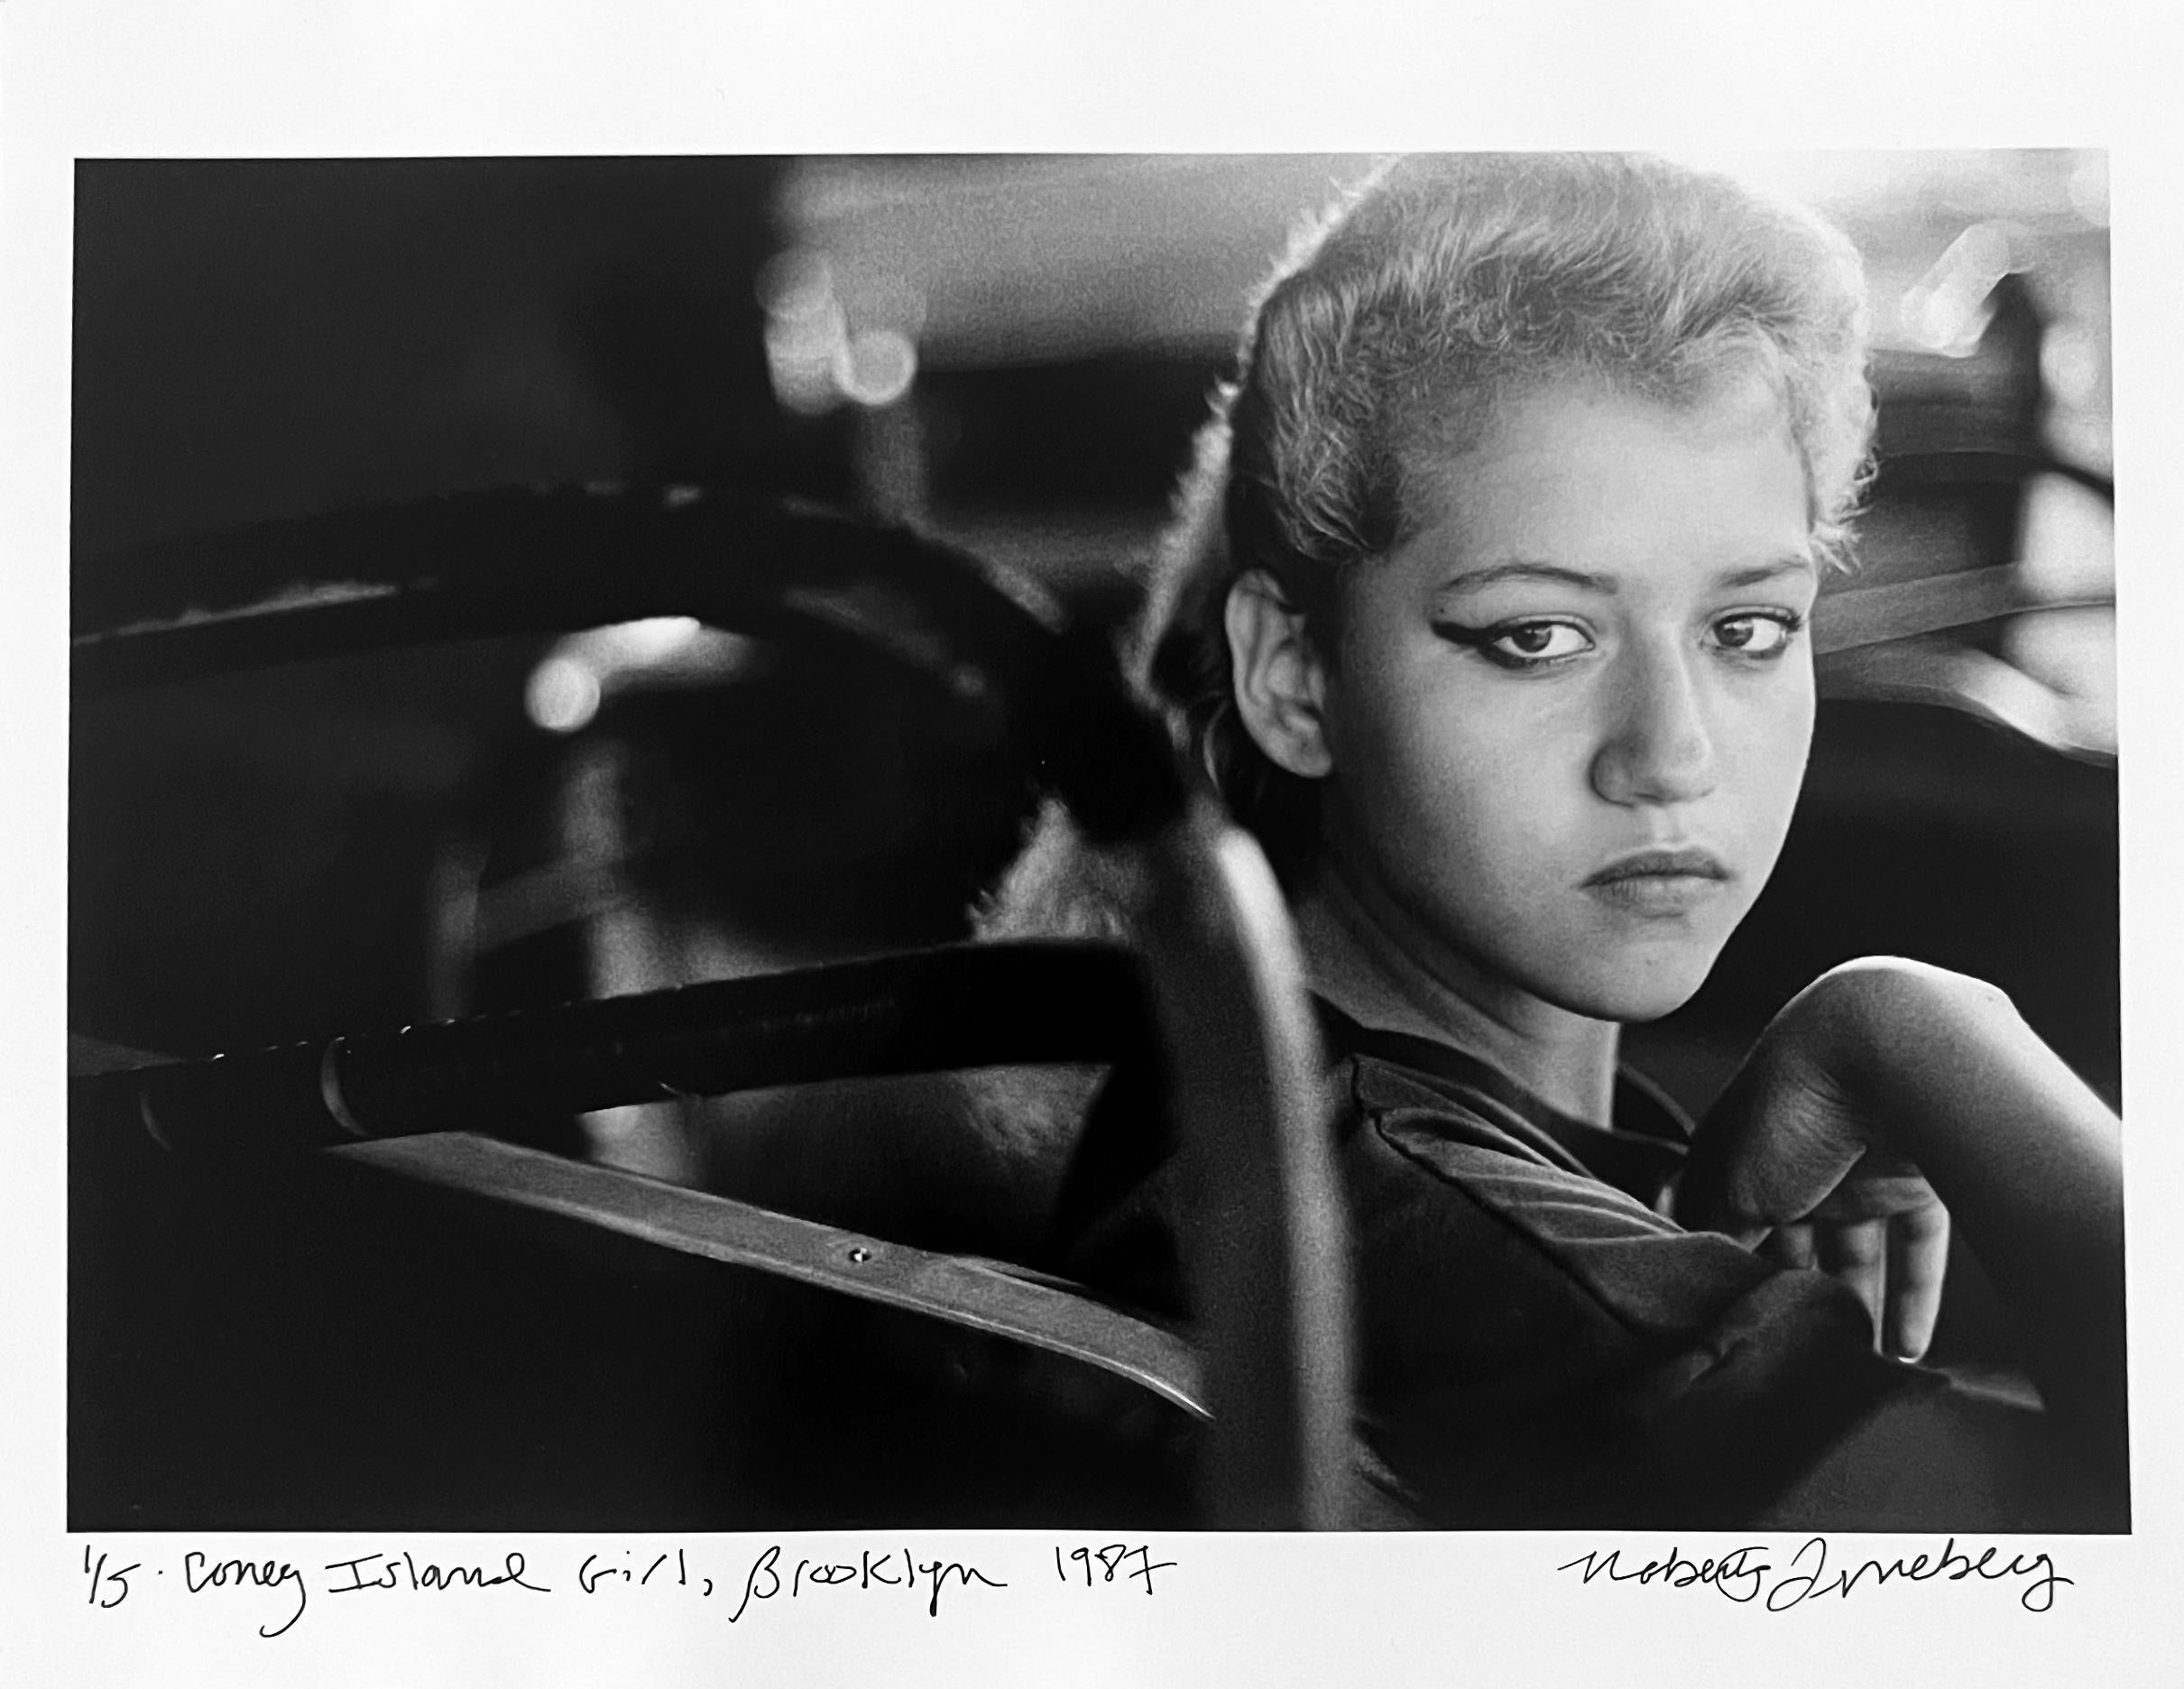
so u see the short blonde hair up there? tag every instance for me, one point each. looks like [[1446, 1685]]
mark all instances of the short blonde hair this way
[[1438, 287]]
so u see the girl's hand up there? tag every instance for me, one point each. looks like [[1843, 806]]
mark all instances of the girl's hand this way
[[1801, 1150], [1883, 1233]]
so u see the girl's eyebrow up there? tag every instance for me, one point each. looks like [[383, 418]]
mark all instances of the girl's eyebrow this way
[[1476, 580], [1793, 563], [1587, 580]]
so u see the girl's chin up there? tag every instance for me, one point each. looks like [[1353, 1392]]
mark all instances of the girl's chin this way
[[1639, 994], [1651, 1007]]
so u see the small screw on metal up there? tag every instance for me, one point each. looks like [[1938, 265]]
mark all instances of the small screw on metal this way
[[859, 1256]]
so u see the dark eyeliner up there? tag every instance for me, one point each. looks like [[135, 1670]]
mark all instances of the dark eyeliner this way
[[1472, 638], [1790, 622], [1484, 641]]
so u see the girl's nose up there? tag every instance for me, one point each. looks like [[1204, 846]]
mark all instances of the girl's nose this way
[[1657, 747]]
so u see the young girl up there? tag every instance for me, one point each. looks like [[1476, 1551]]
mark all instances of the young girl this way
[[1487, 612]]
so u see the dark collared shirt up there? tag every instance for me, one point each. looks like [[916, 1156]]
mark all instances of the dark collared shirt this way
[[1539, 1347]]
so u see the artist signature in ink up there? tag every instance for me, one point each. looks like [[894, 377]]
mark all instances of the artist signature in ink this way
[[1742, 1576]]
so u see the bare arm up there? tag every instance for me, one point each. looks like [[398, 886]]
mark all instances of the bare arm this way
[[1892, 1060]]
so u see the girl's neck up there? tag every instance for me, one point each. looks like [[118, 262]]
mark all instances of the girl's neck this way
[[1356, 962]]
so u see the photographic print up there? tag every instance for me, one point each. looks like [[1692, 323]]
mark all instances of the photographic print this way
[[968, 846], [1160, 842]]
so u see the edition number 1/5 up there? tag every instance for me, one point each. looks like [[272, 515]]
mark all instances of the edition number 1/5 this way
[[113, 1582]]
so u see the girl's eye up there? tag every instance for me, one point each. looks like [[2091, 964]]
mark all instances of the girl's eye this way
[[1529, 644], [1757, 633]]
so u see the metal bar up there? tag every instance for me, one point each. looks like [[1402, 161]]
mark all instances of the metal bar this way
[[959, 1289], [1974, 465], [1264, 1259], [1872, 615], [947, 1008]]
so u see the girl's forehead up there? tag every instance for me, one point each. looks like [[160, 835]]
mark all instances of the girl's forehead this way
[[1585, 474]]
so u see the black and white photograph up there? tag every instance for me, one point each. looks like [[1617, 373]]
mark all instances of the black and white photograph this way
[[653, 692], [797, 862]]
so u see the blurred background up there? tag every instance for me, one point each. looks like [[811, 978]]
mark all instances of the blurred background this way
[[1011, 353]]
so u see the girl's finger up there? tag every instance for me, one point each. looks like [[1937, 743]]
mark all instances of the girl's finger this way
[[1791, 1246], [1918, 1263], [1857, 1254]]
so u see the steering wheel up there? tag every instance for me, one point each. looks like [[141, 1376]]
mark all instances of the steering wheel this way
[[1263, 1259]]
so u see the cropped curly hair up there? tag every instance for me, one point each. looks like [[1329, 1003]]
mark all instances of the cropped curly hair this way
[[1437, 288]]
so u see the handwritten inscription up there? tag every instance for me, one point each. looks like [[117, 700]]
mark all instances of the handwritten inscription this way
[[1115, 1560], [279, 1592], [772, 1576], [109, 1587], [1742, 1576], [599, 1569], [386, 1571], [202, 1572], [766, 1581]]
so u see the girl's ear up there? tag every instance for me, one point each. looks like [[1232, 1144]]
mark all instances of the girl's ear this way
[[1279, 677]]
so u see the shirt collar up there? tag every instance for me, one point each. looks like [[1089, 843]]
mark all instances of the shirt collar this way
[[1641, 1153]]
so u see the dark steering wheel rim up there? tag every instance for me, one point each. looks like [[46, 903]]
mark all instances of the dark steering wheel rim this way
[[1264, 1257]]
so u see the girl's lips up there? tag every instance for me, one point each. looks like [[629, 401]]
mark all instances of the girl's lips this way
[[1688, 863], [1659, 882], [1658, 894]]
